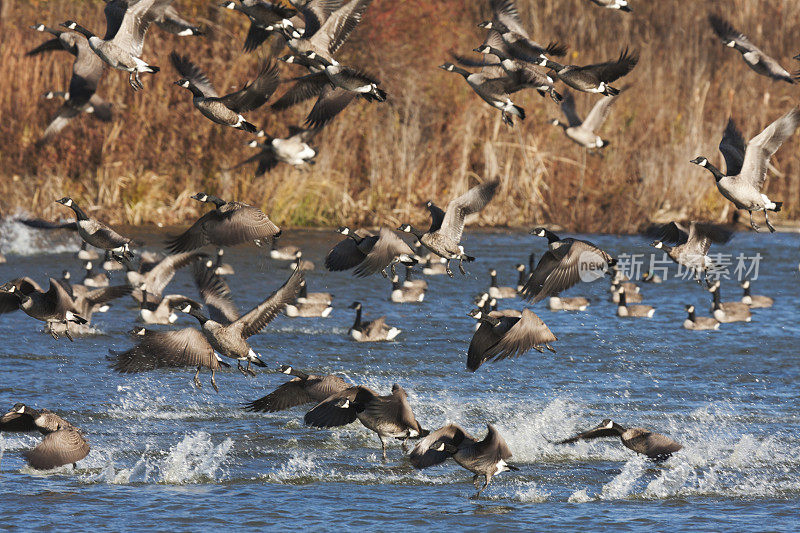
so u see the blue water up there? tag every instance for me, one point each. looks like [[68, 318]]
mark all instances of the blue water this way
[[168, 456]]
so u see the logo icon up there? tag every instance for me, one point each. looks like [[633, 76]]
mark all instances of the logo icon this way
[[591, 266]]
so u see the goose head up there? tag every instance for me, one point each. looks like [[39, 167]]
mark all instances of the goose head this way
[[702, 161], [355, 305], [66, 201], [448, 67]]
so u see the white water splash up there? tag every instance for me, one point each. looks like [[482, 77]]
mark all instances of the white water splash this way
[[18, 239]]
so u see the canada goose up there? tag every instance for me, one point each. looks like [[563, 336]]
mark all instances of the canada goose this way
[[369, 253], [228, 332], [95, 232], [172, 22], [522, 277], [593, 78], [651, 277], [80, 97], [409, 280], [302, 388], [282, 253], [402, 294], [444, 236], [654, 445], [693, 245], [485, 458], [292, 150], [754, 301], [181, 348], [220, 268], [154, 277], [436, 268], [373, 331], [752, 55], [299, 263], [621, 5], [52, 306], [506, 333], [507, 33], [521, 74], [226, 110], [631, 297], [162, 311], [495, 91], [388, 416], [62, 444], [576, 303], [307, 309], [566, 262], [632, 311], [500, 292], [313, 297], [121, 47], [262, 13], [746, 168], [583, 132], [94, 280], [84, 254], [228, 224], [699, 323], [110, 263], [726, 312], [88, 301]]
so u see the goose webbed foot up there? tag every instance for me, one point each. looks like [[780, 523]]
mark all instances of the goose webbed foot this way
[[383, 273], [241, 368], [753, 223], [769, 225], [249, 370], [550, 348], [507, 119], [52, 333], [383, 446], [461, 267], [447, 269], [197, 379], [214, 382], [538, 349], [394, 273], [67, 333], [133, 80]]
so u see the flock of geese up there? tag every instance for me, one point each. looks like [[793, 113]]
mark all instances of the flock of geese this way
[[313, 31]]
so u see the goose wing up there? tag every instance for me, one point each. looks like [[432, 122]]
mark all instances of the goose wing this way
[[186, 347], [728, 33], [490, 64], [137, 19], [611, 70], [671, 232], [493, 445], [316, 12], [594, 433], [62, 447], [702, 235], [437, 216], [764, 145], [335, 31], [17, 422], [46, 224], [528, 331], [63, 117], [650, 444], [297, 392], [216, 294], [261, 315], [393, 410], [193, 73], [484, 339], [331, 102], [101, 110], [107, 294], [506, 12], [57, 300], [237, 223], [305, 88], [383, 252], [47, 46], [345, 255], [339, 409], [195, 236], [255, 94], [157, 279], [473, 201], [599, 113], [375, 328], [568, 107], [425, 453], [561, 268], [114, 12], [732, 148]]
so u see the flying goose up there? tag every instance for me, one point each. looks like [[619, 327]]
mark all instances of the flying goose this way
[[521, 74], [225, 330], [172, 22], [153, 277], [699, 323], [87, 70], [95, 232], [403, 294], [624, 310], [409, 280], [507, 33], [302, 388], [506, 333], [299, 263], [262, 14], [292, 150], [752, 55], [566, 262], [226, 110], [726, 312], [282, 253], [307, 308], [693, 244], [583, 132], [62, 444], [444, 236], [500, 292], [755, 301], [87, 301], [122, 45], [485, 458], [93, 280], [181, 348], [746, 168], [654, 445], [593, 78], [621, 5], [373, 331], [50, 307], [575, 303], [229, 224], [367, 253], [495, 91], [388, 416]]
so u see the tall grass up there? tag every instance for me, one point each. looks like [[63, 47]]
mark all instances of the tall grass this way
[[432, 139]]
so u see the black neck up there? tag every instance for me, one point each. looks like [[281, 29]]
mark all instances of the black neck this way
[[521, 278], [415, 232], [79, 214], [298, 373], [494, 280], [355, 237], [551, 237], [716, 299], [409, 275], [691, 315], [492, 321], [357, 323], [303, 291], [747, 291], [396, 283], [623, 300], [714, 170], [80, 29]]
